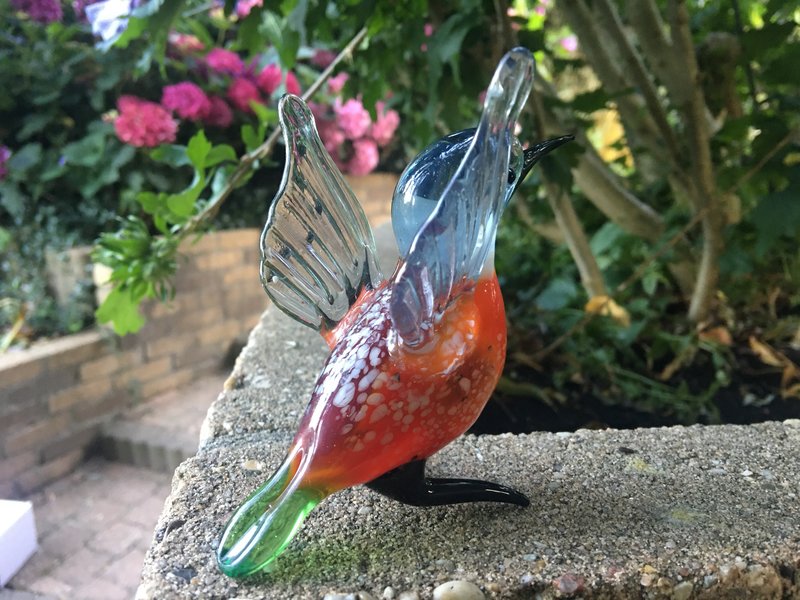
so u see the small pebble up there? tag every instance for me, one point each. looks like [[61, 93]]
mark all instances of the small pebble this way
[[458, 590], [408, 596], [747, 473], [669, 545], [682, 591], [569, 583], [365, 510], [252, 464], [647, 579], [388, 593]]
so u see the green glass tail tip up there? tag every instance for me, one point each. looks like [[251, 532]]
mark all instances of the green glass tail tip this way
[[265, 524]]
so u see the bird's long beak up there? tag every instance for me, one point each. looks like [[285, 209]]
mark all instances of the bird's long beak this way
[[537, 151]]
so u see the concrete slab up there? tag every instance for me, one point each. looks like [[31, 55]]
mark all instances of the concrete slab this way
[[676, 512], [697, 512]]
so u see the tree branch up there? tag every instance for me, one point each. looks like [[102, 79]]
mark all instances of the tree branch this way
[[650, 33], [639, 126], [576, 240], [246, 162], [690, 101], [607, 15]]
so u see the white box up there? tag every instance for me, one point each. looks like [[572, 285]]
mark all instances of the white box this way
[[17, 537]]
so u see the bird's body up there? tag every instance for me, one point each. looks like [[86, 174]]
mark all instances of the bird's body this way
[[377, 405], [414, 357]]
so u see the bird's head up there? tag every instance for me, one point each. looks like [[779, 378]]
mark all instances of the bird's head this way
[[424, 179]]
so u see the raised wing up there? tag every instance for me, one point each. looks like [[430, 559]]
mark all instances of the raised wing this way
[[455, 241], [317, 248]]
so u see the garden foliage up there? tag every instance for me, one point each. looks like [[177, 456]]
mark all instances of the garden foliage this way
[[642, 266]]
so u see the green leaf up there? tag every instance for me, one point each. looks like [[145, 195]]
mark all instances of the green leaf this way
[[182, 204], [590, 101], [12, 199], [778, 214], [150, 201], [25, 158], [34, 123], [557, 294], [219, 154], [285, 40], [171, 154], [605, 238], [122, 310], [5, 238], [250, 138], [87, 152], [198, 149]]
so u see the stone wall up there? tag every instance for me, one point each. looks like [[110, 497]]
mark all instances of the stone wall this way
[[55, 396]]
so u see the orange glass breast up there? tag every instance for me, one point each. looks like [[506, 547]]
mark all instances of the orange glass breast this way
[[377, 406]]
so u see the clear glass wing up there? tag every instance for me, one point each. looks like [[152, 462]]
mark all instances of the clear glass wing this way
[[454, 242], [317, 248]]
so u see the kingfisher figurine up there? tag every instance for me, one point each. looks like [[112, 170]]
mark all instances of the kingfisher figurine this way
[[414, 357]]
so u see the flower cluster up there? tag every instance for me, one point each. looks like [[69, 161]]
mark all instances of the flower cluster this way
[[42, 11], [349, 133], [5, 154], [228, 85], [143, 123]]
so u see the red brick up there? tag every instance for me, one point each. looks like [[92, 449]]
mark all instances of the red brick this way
[[127, 570], [104, 409], [33, 479], [169, 345], [106, 365], [147, 371], [74, 349], [10, 467], [52, 588], [18, 367], [169, 382], [78, 439], [224, 331], [86, 393], [243, 274], [18, 416], [35, 435], [102, 589], [238, 238], [219, 260]]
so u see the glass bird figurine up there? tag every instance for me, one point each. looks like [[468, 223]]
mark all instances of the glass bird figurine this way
[[413, 357]]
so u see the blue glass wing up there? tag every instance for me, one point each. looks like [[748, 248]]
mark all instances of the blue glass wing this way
[[458, 236], [317, 247]]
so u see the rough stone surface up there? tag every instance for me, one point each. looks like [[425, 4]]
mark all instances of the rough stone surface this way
[[681, 512]]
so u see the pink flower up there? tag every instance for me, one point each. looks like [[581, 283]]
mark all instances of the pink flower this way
[[322, 58], [332, 137], [185, 43], [143, 123], [292, 85], [243, 7], [269, 79], [242, 92], [225, 61], [382, 130], [187, 100], [353, 118], [220, 114], [41, 11], [569, 43], [364, 159], [5, 154], [336, 83], [428, 31]]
